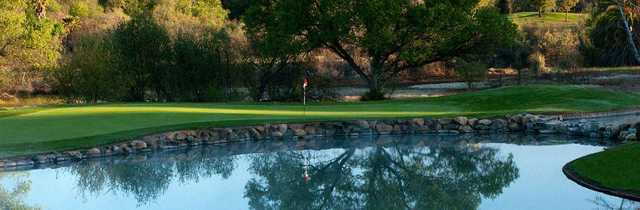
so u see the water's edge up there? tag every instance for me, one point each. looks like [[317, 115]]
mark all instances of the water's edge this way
[[527, 124]]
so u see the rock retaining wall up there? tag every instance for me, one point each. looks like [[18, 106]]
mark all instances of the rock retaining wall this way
[[524, 123]]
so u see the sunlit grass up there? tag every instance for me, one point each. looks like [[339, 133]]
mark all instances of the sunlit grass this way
[[549, 18], [615, 168], [53, 128]]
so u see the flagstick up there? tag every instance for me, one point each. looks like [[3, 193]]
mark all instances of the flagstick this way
[[304, 97]]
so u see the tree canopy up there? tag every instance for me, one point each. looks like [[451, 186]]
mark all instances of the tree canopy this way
[[379, 38]]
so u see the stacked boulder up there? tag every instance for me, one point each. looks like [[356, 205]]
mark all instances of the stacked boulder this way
[[520, 123]]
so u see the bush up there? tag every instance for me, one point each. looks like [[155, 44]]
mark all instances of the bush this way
[[605, 42], [90, 74], [79, 9], [373, 96], [561, 49], [471, 71], [537, 63]]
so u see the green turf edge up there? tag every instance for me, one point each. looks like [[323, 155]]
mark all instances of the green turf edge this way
[[26, 149], [23, 149], [590, 183]]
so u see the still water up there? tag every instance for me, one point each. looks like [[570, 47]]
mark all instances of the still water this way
[[414, 172]]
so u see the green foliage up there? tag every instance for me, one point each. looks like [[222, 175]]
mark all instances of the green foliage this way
[[506, 6], [561, 48], [236, 7], [205, 68], [144, 51], [567, 5], [79, 9], [90, 74], [28, 43], [605, 42], [471, 71], [379, 38], [543, 6]]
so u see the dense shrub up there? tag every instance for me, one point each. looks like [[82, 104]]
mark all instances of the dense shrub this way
[[144, 55], [561, 49], [90, 75], [560, 46], [471, 71], [605, 42], [537, 63]]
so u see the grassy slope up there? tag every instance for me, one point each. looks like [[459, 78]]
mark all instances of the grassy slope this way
[[615, 168], [553, 18], [32, 130]]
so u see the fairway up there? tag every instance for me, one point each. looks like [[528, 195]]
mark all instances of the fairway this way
[[551, 18], [33, 130]]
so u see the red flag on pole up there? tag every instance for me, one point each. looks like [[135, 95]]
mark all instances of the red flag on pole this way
[[306, 83]]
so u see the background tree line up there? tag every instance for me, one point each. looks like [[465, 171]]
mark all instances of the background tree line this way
[[212, 50]]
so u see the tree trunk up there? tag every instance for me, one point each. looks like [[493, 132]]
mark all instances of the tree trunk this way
[[376, 87], [630, 42], [540, 13]]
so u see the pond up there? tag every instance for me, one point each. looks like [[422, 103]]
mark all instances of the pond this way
[[390, 172]]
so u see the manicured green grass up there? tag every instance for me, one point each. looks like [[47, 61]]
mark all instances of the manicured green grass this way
[[617, 168], [551, 18], [34, 130]]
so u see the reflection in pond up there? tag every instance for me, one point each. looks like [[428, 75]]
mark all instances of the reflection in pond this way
[[146, 180], [415, 172], [622, 204], [441, 177], [12, 198]]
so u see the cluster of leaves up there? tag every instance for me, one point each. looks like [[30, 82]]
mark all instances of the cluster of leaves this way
[[379, 38], [27, 42], [605, 41], [169, 50]]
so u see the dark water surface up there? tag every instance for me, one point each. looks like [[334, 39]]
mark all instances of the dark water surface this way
[[415, 172]]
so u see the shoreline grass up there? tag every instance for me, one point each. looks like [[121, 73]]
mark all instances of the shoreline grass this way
[[55, 128], [614, 169]]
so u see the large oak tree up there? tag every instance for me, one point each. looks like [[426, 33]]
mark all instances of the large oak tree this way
[[379, 38]]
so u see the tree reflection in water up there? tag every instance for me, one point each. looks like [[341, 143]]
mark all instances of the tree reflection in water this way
[[147, 179], [624, 204], [12, 198], [395, 177]]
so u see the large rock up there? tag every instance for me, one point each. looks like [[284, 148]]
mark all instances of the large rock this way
[[255, 134], [282, 128], [180, 136], [461, 120], [465, 129], [383, 128], [514, 126], [139, 145], [362, 124], [417, 122], [93, 152], [75, 155], [299, 132], [485, 122], [277, 134], [499, 125], [472, 122], [39, 159]]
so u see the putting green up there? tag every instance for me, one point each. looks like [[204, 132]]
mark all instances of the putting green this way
[[34, 130]]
